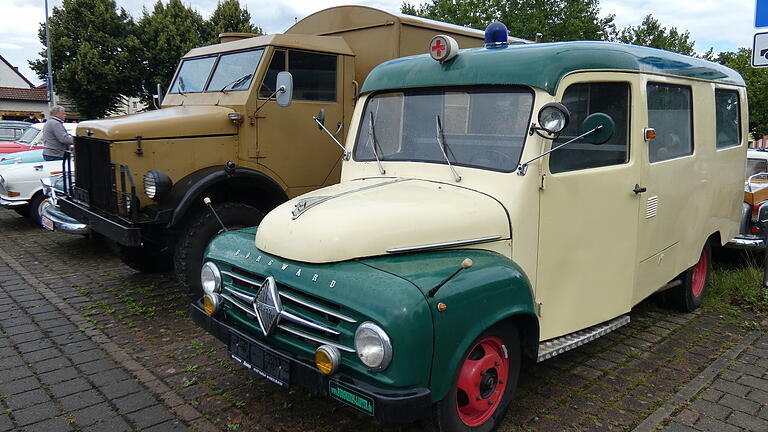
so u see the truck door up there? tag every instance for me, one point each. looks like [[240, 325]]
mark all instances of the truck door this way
[[588, 218], [289, 141]]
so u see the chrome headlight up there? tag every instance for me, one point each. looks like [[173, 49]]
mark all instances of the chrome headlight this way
[[554, 117], [156, 184], [210, 277], [373, 346]]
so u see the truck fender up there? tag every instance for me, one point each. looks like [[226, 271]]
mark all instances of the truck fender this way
[[262, 191]]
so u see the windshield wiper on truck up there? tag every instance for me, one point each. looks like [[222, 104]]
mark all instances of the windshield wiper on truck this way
[[441, 144], [372, 140], [237, 83]]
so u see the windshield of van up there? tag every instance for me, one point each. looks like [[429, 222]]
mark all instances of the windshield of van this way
[[479, 127], [29, 135], [233, 71]]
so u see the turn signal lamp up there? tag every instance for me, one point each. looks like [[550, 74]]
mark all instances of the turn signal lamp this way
[[327, 359], [211, 303], [650, 133], [13, 194], [496, 35]]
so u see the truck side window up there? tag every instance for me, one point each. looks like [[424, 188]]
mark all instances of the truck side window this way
[[314, 76], [727, 118], [670, 113], [582, 100], [276, 66]]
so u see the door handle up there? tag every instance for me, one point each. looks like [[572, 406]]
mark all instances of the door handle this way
[[638, 189]]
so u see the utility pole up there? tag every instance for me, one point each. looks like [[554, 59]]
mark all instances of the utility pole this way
[[49, 81]]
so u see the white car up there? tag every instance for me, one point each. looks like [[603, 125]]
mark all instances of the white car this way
[[21, 189]]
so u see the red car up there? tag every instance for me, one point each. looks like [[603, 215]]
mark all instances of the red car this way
[[31, 139]]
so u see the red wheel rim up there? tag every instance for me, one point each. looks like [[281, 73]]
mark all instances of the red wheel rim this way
[[700, 275], [482, 381]]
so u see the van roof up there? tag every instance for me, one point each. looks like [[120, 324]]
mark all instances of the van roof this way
[[540, 65]]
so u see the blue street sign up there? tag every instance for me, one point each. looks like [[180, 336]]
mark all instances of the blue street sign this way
[[761, 13]]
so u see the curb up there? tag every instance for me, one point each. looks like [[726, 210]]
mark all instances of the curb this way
[[169, 397]]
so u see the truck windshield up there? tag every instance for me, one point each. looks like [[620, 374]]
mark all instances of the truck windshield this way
[[481, 127], [233, 71]]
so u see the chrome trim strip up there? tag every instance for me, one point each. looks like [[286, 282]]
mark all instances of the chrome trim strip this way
[[318, 308], [244, 297], [553, 347], [304, 204], [746, 242], [444, 245], [299, 320], [314, 338], [238, 305], [244, 279]]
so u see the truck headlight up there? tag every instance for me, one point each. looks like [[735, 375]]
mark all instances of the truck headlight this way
[[156, 184], [373, 346], [210, 277]]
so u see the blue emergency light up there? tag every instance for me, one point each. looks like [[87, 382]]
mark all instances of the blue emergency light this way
[[496, 34]]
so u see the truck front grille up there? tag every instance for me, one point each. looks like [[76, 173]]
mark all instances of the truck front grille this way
[[93, 173], [305, 317]]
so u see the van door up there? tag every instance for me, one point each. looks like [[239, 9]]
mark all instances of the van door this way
[[289, 141], [588, 218]]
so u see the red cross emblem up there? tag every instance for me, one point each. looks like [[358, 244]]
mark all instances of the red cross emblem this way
[[438, 47]]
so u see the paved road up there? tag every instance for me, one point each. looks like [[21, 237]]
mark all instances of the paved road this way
[[87, 344]]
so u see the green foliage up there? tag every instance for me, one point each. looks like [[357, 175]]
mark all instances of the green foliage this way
[[94, 55], [738, 286], [229, 17], [757, 87], [557, 20], [650, 33], [166, 35]]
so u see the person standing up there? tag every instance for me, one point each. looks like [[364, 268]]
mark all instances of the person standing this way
[[56, 140], [31, 118]]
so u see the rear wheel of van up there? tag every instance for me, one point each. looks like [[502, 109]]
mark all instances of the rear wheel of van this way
[[199, 231], [688, 296], [483, 385]]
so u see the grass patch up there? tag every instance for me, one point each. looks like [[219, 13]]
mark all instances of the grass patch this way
[[738, 282]]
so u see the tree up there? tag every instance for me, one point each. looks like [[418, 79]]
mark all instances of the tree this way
[[757, 87], [93, 54], [166, 34], [557, 20], [229, 17], [650, 33]]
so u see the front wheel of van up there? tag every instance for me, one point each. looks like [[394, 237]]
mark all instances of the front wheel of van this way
[[483, 385], [199, 231], [688, 296]]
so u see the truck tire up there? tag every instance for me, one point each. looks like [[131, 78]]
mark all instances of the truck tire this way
[[199, 231], [483, 385], [146, 259], [688, 296]]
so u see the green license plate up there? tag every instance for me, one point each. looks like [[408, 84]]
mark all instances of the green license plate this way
[[350, 397]]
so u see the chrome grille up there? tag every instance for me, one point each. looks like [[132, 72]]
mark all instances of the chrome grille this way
[[297, 317]]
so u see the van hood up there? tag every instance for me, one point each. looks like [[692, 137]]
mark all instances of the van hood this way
[[181, 121], [370, 217]]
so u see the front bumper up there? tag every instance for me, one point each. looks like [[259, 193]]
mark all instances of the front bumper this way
[[10, 203], [389, 405], [746, 242], [126, 235], [62, 222]]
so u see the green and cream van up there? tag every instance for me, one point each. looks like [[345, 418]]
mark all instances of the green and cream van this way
[[499, 204]]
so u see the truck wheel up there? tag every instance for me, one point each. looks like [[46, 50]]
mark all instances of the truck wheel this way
[[199, 231], [483, 385], [146, 259], [688, 296], [35, 207]]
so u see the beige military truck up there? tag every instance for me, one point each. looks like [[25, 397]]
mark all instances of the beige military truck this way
[[141, 180]]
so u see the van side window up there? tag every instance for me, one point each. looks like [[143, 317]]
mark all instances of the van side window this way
[[727, 118], [276, 66], [670, 113], [582, 100], [314, 76]]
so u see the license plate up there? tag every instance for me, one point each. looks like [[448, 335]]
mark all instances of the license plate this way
[[350, 397], [47, 223], [270, 366]]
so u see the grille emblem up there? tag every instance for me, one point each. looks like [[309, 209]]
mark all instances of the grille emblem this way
[[267, 306]]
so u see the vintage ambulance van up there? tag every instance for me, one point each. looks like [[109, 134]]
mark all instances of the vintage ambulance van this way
[[500, 203]]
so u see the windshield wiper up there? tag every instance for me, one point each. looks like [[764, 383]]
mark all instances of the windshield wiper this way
[[440, 143], [372, 140], [237, 83], [182, 87]]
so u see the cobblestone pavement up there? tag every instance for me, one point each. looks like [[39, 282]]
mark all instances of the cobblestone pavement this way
[[86, 339]]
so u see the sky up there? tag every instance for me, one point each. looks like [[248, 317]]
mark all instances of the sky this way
[[722, 25]]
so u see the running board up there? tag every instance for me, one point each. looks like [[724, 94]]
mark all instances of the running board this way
[[553, 347]]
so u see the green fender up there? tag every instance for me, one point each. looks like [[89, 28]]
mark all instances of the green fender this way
[[493, 290]]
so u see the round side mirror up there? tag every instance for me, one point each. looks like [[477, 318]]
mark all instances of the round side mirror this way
[[602, 121], [554, 117]]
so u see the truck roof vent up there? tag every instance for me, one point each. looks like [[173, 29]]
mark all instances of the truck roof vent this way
[[229, 37]]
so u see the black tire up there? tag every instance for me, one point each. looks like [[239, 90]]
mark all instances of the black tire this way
[[688, 296], [35, 207], [447, 415], [22, 210], [146, 259], [199, 231]]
